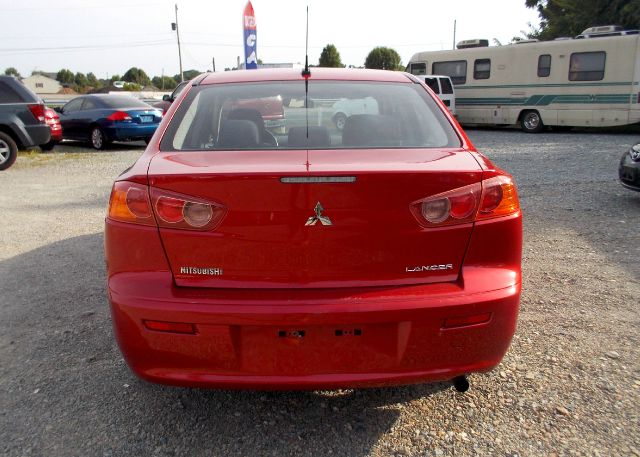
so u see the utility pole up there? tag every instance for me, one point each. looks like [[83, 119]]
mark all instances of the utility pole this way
[[213, 59], [174, 26], [162, 79], [454, 34]]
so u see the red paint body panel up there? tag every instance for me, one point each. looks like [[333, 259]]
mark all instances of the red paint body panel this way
[[237, 344], [322, 74], [307, 307], [264, 242]]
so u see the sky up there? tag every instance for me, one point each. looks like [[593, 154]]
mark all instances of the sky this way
[[108, 37]]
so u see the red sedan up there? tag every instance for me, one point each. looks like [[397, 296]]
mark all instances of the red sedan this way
[[53, 121], [384, 253]]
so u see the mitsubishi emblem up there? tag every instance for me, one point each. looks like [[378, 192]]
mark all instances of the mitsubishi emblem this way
[[324, 220]]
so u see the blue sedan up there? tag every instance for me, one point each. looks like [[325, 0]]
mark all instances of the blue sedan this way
[[101, 119]]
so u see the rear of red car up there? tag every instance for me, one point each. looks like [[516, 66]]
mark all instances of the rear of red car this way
[[384, 253], [53, 121]]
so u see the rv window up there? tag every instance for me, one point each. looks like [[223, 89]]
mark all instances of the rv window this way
[[482, 69], [418, 68], [587, 66], [447, 88], [433, 84], [544, 65], [455, 69]]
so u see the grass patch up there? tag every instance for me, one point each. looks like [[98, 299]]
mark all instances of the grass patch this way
[[36, 157]]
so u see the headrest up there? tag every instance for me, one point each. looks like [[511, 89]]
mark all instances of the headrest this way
[[247, 114], [238, 134]]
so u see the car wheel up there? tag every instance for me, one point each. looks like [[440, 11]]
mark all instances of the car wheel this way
[[8, 151], [531, 122], [340, 120], [98, 141]]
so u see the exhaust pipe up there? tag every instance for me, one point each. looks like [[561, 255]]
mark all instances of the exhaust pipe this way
[[461, 384]]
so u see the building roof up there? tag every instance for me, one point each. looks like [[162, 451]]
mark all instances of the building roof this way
[[39, 76]]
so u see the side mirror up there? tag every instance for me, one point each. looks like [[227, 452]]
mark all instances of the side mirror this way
[[58, 109], [166, 98]]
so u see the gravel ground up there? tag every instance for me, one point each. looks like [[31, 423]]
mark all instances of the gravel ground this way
[[569, 385]]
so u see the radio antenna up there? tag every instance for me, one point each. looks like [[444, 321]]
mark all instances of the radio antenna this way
[[306, 73]]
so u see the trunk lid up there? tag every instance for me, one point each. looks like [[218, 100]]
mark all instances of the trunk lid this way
[[268, 238], [144, 116]]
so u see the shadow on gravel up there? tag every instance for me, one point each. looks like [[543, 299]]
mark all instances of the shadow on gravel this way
[[67, 391], [568, 183]]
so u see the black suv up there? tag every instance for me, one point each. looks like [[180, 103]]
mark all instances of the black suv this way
[[22, 121]]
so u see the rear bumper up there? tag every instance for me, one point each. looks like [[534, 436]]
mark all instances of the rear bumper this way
[[352, 338], [130, 132], [56, 135], [37, 134]]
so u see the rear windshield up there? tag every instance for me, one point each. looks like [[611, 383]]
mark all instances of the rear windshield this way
[[333, 115], [122, 101]]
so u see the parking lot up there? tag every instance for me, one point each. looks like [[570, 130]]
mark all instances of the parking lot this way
[[570, 384]]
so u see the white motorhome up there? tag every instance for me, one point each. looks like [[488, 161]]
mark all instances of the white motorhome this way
[[592, 80]]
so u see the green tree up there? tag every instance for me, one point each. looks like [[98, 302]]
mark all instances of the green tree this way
[[383, 59], [132, 87], [81, 80], [93, 81], [330, 57], [115, 78], [137, 76], [164, 82], [559, 18], [65, 76], [11, 71], [188, 75]]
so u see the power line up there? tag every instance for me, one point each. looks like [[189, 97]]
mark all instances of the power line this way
[[292, 46], [88, 47], [83, 7], [101, 35]]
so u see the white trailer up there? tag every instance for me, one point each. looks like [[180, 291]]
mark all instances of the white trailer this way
[[589, 81]]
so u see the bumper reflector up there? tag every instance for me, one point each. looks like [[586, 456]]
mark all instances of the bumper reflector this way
[[453, 322], [171, 327]]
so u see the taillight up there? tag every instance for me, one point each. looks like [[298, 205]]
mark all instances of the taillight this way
[[120, 116], [130, 202], [183, 212], [456, 206], [493, 197], [38, 112], [499, 198]]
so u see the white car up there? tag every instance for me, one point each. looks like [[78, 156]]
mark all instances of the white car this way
[[346, 107], [443, 88]]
